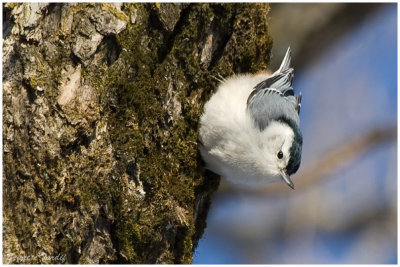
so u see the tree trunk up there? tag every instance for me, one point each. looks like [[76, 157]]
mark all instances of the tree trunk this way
[[101, 104]]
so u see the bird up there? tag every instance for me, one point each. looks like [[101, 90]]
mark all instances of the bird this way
[[250, 127]]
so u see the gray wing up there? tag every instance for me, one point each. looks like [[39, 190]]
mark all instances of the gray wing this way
[[274, 97], [267, 105]]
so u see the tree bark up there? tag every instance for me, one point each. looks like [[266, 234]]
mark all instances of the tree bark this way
[[101, 104]]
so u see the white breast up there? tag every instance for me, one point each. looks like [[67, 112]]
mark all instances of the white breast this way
[[230, 139]]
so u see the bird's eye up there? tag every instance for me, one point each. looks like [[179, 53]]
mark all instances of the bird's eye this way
[[280, 155]]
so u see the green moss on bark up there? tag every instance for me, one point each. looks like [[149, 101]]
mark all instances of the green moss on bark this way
[[115, 175]]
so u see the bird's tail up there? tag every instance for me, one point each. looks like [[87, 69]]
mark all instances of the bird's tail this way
[[280, 79], [286, 61]]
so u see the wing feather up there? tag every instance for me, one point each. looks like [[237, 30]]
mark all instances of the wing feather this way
[[274, 97]]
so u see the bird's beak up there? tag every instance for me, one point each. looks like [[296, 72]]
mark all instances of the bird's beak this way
[[287, 180]]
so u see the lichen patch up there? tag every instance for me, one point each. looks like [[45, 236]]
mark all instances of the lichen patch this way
[[70, 85]]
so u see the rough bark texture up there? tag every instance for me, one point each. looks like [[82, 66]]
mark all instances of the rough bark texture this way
[[101, 104]]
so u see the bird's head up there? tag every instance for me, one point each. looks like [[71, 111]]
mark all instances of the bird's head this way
[[282, 149]]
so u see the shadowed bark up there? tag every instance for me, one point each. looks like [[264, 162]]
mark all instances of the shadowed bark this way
[[101, 104]]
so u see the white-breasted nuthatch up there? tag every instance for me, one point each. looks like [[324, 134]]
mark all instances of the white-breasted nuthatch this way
[[249, 130]]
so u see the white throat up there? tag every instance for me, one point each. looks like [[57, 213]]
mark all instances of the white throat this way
[[276, 129], [277, 136]]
